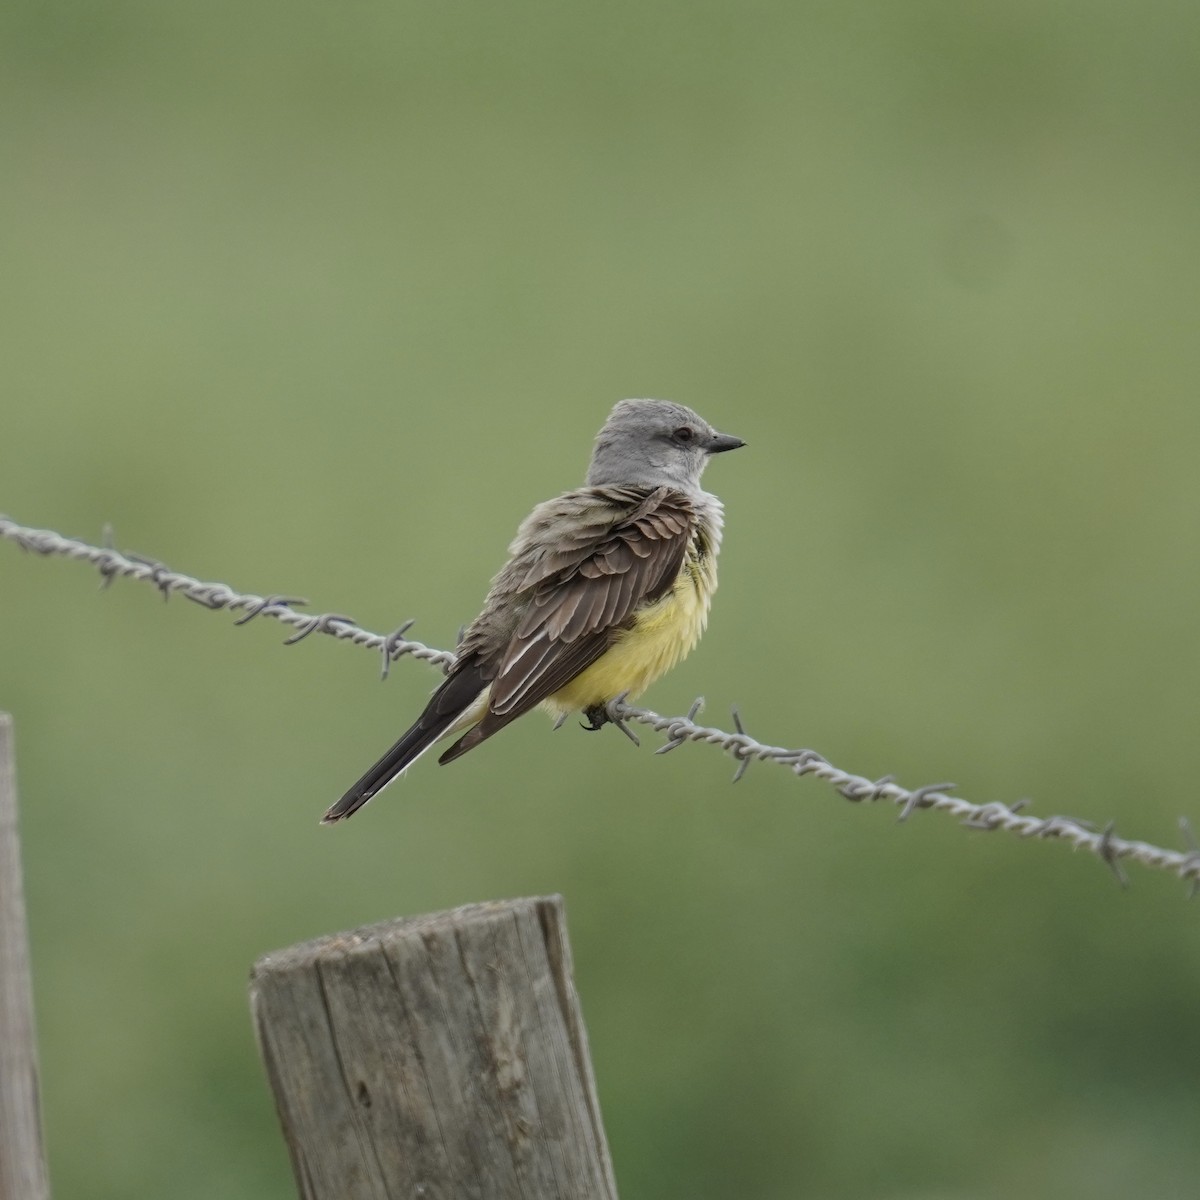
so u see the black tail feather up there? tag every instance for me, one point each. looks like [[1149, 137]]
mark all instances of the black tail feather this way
[[445, 706]]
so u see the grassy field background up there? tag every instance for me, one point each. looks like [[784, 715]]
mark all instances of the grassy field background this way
[[321, 300]]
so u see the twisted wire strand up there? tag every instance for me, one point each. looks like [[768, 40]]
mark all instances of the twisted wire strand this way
[[1080, 834]]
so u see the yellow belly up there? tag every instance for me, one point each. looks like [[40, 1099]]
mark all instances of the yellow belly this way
[[661, 636]]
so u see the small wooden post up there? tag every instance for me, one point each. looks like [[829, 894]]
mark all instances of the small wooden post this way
[[22, 1160], [441, 1056]]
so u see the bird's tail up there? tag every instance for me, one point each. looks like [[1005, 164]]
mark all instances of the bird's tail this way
[[446, 706]]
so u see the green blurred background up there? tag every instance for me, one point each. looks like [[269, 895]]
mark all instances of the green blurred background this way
[[321, 299]]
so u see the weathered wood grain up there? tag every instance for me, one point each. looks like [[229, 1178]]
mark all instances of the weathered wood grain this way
[[441, 1056], [22, 1160]]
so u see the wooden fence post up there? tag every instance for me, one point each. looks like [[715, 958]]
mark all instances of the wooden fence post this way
[[441, 1056], [22, 1161]]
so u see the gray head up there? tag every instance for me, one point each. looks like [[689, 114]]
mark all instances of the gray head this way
[[654, 443]]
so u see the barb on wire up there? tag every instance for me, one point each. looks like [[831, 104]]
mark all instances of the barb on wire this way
[[1080, 834], [393, 645], [104, 566], [1192, 858], [253, 610]]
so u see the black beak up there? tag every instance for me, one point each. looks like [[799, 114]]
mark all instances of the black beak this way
[[720, 442]]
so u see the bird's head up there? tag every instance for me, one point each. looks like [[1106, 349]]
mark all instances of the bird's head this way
[[655, 443]]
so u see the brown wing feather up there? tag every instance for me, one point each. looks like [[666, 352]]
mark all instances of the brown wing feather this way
[[576, 608]]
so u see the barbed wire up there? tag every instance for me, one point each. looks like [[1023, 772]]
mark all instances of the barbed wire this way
[[112, 564], [679, 730]]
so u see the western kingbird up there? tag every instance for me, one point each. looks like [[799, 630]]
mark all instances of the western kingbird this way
[[605, 589]]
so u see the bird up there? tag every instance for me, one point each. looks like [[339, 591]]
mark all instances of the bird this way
[[605, 589]]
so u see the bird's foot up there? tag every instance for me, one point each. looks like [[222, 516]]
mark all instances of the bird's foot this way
[[597, 717]]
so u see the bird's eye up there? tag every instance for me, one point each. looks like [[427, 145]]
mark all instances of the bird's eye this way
[[684, 434]]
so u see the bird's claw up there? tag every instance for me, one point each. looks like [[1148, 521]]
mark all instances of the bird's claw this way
[[600, 715], [597, 718]]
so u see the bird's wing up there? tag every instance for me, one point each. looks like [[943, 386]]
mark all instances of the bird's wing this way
[[581, 589]]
